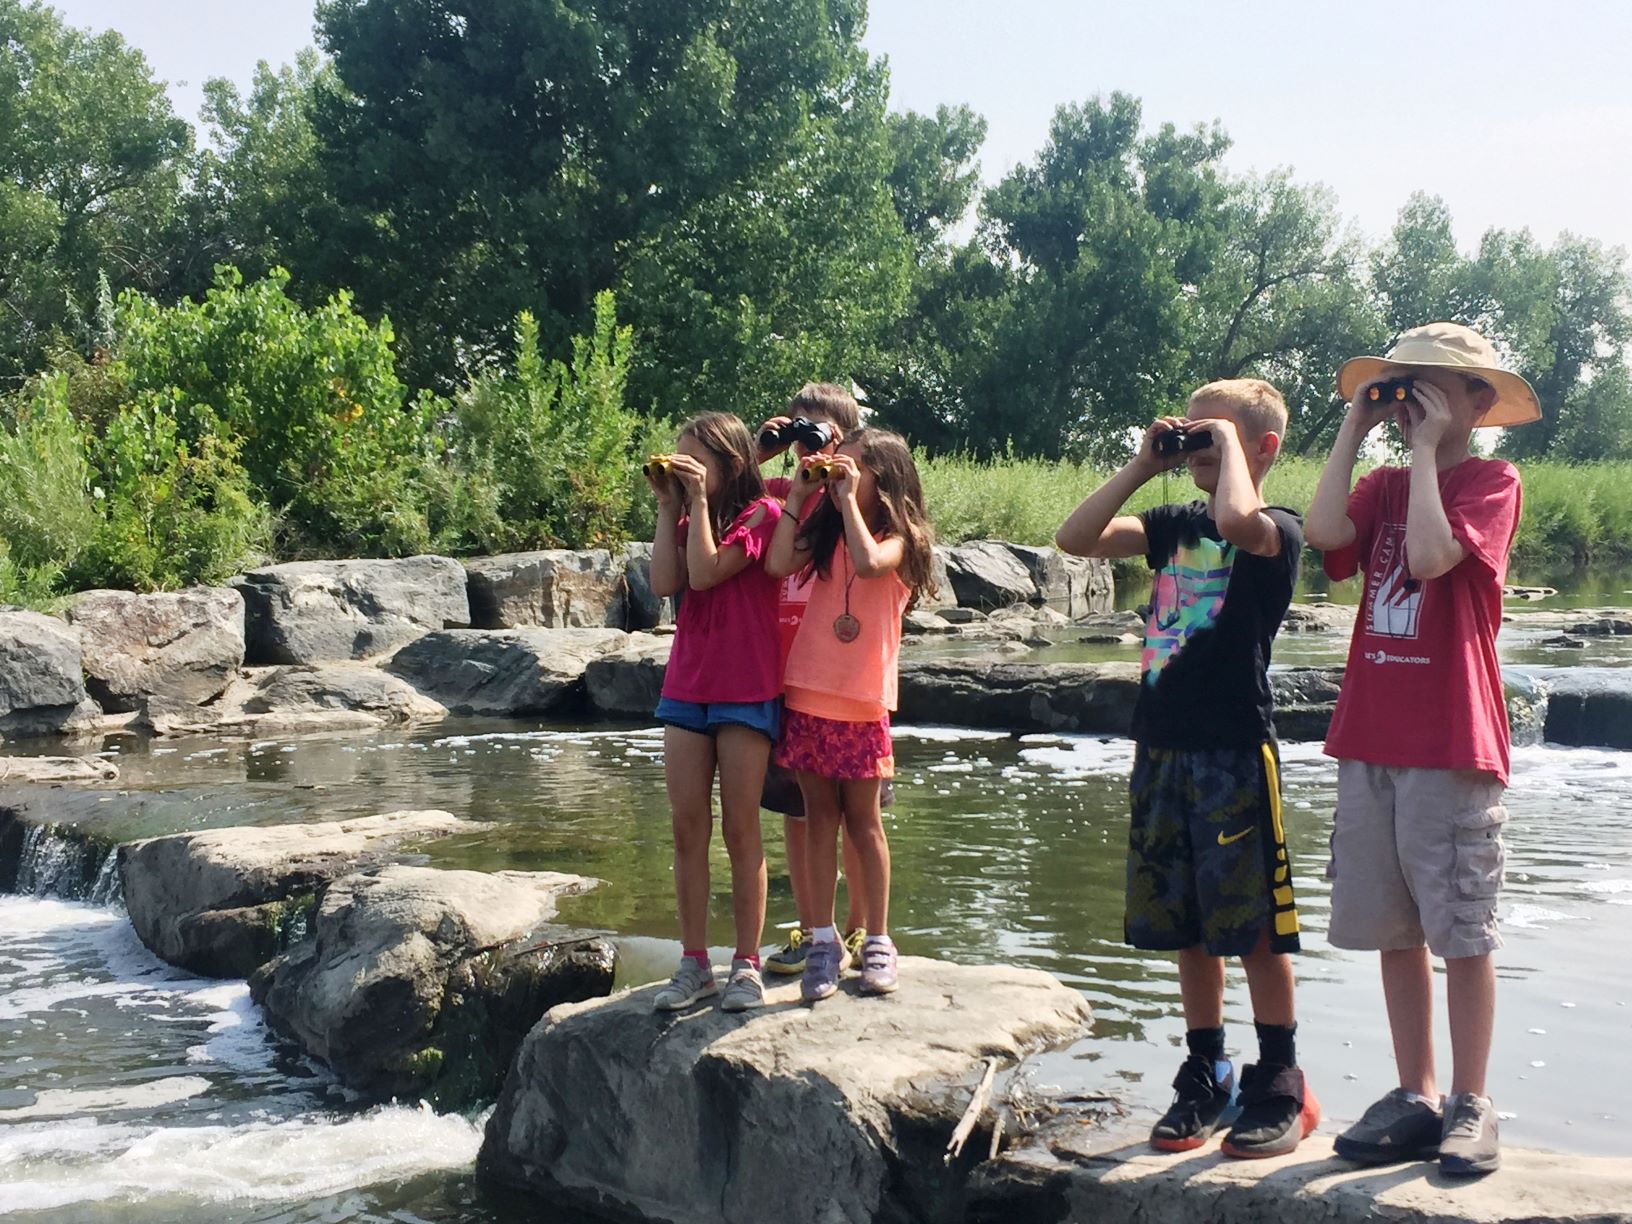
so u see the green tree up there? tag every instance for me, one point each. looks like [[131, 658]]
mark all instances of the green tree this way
[[91, 166]]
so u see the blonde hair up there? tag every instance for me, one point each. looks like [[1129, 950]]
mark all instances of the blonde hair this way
[[1258, 407], [826, 402]]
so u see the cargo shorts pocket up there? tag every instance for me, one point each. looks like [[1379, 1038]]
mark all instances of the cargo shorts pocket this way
[[1481, 856]]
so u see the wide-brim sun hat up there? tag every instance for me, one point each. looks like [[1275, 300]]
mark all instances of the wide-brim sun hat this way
[[1448, 346]]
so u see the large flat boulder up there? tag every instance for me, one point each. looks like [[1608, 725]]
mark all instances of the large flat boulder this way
[[505, 672], [555, 588], [801, 1115], [42, 684], [982, 692], [223, 902], [987, 574], [331, 611], [626, 683], [181, 648], [297, 700], [1590, 707], [416, 980], [1064, 1174]]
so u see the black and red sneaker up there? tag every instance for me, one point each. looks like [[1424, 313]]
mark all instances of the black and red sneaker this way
[[1201, 1096], [1278, 1111]]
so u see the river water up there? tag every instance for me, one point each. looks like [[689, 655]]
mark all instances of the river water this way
[[131, 1092]]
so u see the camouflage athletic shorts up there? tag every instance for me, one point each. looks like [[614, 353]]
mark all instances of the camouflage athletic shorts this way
[[1207, 861]]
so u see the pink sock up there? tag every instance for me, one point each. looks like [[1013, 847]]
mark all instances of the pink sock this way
[[751, 957], [700, 957]]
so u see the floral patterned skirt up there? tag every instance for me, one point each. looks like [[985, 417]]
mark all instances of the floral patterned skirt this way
[[834, 749]]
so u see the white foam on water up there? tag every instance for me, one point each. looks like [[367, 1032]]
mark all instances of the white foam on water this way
[[150, 1094], [1531, 917], [1607, 887], [1083, 756], [945, 735], [84, 1161]]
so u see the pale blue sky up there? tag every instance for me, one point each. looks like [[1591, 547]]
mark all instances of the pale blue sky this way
[[1516, 115]]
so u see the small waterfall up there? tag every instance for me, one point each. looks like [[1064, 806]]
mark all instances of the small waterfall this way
[[55, 863]]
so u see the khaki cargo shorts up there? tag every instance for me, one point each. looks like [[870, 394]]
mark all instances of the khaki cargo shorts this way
[[1417, 857]]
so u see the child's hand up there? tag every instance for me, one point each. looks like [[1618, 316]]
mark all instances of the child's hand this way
[[845, 479], [767, 453], [1147, 459], [663, 488], [1224, 435], [1363, 415], [1430, 414], [691, 476]]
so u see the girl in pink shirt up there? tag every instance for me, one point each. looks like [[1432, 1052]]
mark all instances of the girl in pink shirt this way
[[867, 545], [720, 705]]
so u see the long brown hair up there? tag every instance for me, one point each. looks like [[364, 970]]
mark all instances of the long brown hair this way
[[900, 512], [728, 440]]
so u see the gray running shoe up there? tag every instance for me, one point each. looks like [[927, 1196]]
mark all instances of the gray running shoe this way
[[822, 970], [690, 983], [1470, 1146], [878, 965], [1394, 1129], [744, 990]]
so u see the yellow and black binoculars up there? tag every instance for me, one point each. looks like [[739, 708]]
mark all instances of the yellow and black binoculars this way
[[818, 471], [657, 465]]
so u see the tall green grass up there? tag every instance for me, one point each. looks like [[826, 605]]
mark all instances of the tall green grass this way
[[1573, 515]]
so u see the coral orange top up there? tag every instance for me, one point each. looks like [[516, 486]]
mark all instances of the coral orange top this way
[[853, 681]]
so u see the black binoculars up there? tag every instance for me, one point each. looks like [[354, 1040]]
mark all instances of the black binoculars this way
[[1183, 441], [1394, 391], [813, 435]]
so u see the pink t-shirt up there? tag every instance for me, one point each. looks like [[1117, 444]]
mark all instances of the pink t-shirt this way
[[1423, 688], [725, 641], [856, 680]]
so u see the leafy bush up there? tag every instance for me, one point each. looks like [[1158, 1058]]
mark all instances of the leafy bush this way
[[47, 513], [547, 449]]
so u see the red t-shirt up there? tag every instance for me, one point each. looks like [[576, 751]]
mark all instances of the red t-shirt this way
[[725, 641], [1423, 688], [793, 596]]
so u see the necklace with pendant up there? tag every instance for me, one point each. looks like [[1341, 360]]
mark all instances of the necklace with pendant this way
[[846, 627]]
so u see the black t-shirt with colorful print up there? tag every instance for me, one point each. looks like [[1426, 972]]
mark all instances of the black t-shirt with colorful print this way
[[1214, 610]]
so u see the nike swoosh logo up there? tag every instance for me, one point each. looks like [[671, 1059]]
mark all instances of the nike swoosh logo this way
[[1233, 837]]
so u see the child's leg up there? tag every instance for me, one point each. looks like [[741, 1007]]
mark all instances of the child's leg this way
[[864, 833], [743, 753], [795, 846], [1269, 981], [1408, 989], [821, 846], [1470, 995], [1201, 988], [688, 771], [855, 915]]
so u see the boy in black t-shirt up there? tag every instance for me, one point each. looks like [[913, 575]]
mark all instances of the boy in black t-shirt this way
[[1208, 872]]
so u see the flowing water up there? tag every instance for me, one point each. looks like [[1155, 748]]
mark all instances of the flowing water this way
[[132, 1092]]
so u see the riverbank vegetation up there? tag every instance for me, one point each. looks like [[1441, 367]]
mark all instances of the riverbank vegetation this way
[[485, 322]]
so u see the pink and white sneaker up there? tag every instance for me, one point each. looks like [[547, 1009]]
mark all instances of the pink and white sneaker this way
[[879, 967]]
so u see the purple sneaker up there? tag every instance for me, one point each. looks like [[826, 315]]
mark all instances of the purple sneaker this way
[[822, 970], [878, 965]]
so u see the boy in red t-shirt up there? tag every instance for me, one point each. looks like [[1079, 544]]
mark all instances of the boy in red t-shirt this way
[[1420, 731]]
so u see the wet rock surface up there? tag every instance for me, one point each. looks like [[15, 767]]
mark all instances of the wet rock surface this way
[[626, 683], [416, 980], [42, 684], [180, 648], [505, 672], [839, 1112]]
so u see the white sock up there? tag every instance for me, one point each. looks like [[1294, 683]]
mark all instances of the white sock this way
[[1422, 1100], [826, 934]]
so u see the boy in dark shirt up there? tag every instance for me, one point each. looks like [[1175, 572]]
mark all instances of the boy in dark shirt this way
[[1208, 871]]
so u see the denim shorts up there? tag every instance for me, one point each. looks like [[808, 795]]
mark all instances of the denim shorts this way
[[706, 719]]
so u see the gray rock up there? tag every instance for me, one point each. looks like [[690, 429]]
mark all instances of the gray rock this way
[[1318, 618], [505, 672], [332, 611], [182, 647], [943, 596], [955, 615], [1031, 615], [42, 685], [986, 574], [1590, 707], [980, 692], [223, 902], [627, 683], [1071, 1171], [922, 621], [414, 979], [555, 588], [1305, 698], [707, 1116], [293, 700], [1077, 586], [646, 610], [15, 769]]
